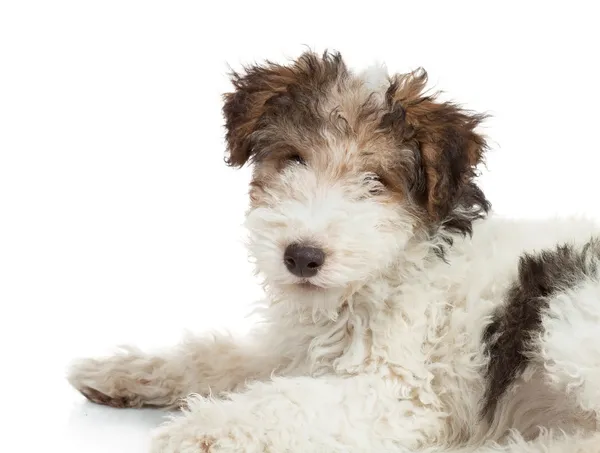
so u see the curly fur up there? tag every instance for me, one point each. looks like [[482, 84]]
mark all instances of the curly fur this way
[[426, 312]]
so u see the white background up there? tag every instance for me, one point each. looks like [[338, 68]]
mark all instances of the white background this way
[[119, 222]]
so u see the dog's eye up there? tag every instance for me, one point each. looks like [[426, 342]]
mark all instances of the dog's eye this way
[[375, 184], [297, 159]]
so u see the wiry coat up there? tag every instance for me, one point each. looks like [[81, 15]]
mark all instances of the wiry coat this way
[[429, 326]]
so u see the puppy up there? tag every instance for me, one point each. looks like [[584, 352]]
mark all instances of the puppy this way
[[399, 315]]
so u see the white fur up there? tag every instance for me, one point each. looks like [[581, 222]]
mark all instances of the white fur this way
[[375, 78], [336, 217], [384, 351], [570, 348], [396, 369]]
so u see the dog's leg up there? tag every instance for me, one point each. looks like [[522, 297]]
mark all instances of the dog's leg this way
[[209, 365], [547, 442], [302, 414], [570, 343]]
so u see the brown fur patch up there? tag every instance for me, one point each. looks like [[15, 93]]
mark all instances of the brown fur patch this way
[[424, 152], [449, 150], [276, 90]]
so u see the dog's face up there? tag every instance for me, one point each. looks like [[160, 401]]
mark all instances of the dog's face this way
[[350, 171]]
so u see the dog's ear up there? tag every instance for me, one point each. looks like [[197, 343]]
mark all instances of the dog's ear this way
[[447, 151], [244, 107], [272, 88]]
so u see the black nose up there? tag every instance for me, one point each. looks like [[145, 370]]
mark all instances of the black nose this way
[[303, 261]]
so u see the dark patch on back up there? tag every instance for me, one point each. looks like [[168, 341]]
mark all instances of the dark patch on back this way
[[509, 338]]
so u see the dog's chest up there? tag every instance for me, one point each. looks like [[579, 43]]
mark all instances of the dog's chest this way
[[390, 342]]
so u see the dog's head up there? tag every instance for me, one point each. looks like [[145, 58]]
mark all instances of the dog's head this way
[[349, 171]]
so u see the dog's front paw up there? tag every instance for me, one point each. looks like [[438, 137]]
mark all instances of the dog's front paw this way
[[101, 382], [171, 441], [209, 432], [128, 379]]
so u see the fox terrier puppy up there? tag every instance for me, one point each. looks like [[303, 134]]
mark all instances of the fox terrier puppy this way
[[399, 316]]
